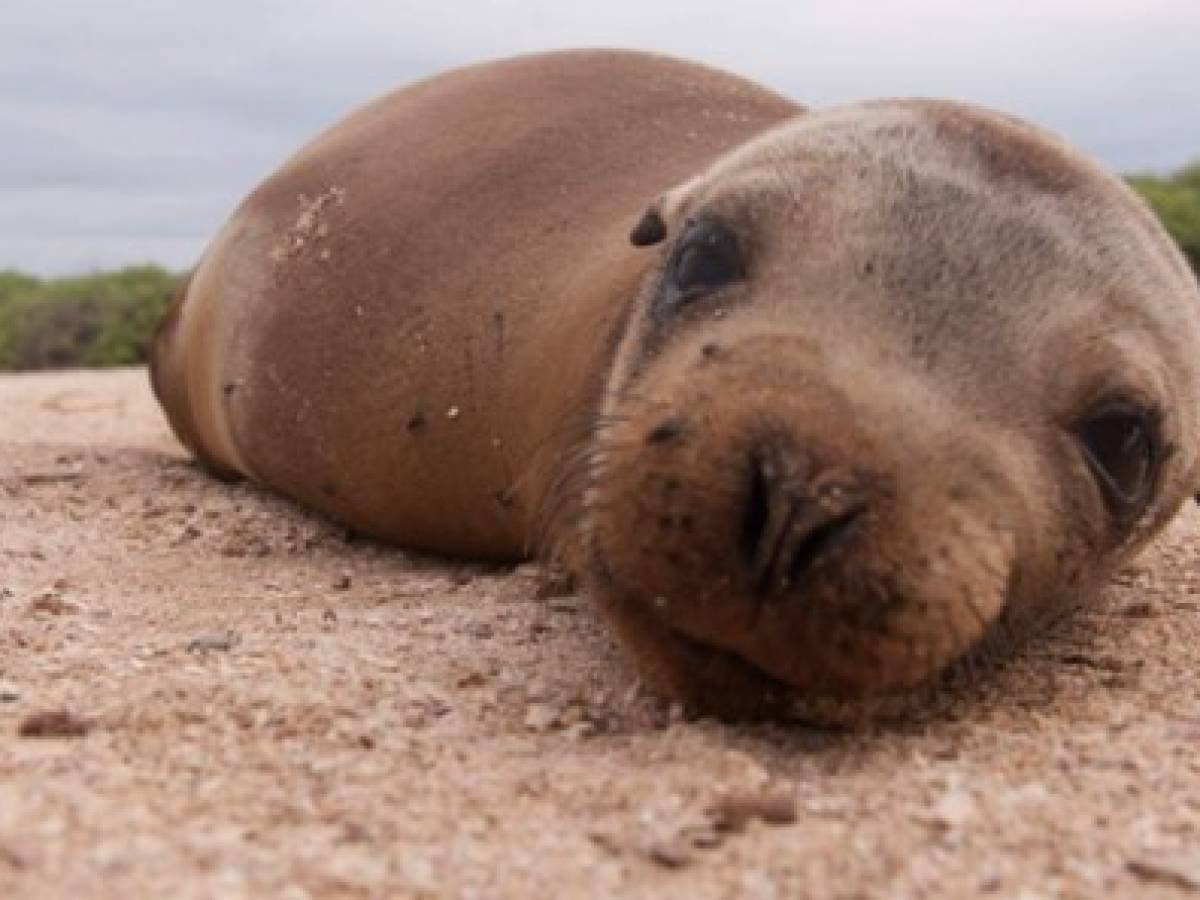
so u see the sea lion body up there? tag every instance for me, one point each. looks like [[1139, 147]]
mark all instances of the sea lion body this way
[[409, 323], [875, 383]]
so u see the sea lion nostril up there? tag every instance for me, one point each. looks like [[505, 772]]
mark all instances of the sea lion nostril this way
[[814, 544], [791, 519], [755, 513]]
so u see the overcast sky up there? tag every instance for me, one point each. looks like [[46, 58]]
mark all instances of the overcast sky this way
[[130, 128]]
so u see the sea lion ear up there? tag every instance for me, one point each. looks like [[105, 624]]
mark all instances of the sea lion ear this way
[[650, 229]]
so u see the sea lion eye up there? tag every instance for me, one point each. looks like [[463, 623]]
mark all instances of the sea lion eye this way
[[707, 257], [1120, 446]]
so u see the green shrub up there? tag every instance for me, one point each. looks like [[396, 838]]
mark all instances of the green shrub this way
[[14, 283], [94, 320], [1176, 199]]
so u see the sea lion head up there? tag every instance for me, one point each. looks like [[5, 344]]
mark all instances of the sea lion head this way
[[906, 376]]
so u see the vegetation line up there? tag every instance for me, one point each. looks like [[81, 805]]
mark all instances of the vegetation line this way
[[105, 319], [108, 318]]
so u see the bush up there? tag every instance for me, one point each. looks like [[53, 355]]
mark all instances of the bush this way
[[1176, 199], [93, 320], [13, 284]]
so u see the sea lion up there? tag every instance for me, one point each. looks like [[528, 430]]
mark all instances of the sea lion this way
[[815, 402]]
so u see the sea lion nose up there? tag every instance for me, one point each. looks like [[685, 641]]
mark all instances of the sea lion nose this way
[[794, 516]]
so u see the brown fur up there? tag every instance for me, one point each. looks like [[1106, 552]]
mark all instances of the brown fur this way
[[405, 325], [430, 324]]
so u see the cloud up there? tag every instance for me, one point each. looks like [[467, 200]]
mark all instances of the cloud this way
[[129, 131]]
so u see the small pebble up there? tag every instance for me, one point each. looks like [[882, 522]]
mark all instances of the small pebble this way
[[606, 841], [53, 724], [1180, 870], [53, 604], [218, 642], [671, 853], [953, 810], [540, 717], [577, 731], [704, 837], [733, 811], [471, 679]]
